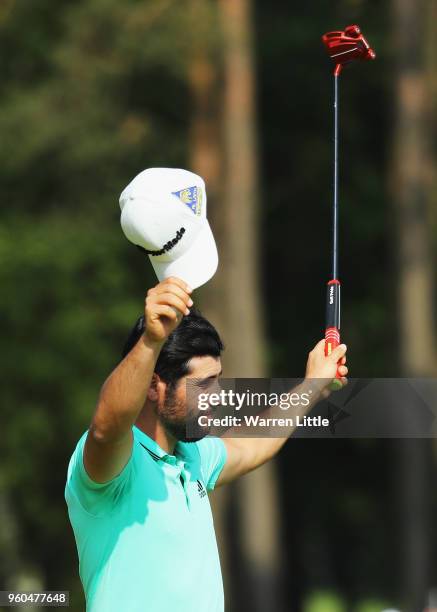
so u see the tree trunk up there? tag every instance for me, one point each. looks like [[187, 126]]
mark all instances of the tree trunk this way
[[412, 180], [206, 153], [224, 152]]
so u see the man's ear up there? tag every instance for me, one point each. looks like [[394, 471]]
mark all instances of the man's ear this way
[[152, 393]]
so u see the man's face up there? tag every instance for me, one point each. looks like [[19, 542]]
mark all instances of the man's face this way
[[178, 410]]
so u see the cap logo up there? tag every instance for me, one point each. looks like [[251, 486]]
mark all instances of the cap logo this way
[[191, 197]]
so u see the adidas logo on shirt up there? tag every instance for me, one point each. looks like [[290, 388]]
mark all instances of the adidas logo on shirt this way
[[201, 489]]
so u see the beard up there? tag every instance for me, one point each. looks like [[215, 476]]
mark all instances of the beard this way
[[183, 428]]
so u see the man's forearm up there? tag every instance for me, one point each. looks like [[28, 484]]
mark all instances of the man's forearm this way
[[265, 448], [248, 453], [124, 392], [245, 454]]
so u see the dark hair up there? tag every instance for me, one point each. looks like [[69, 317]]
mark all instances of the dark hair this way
[[195, 336]]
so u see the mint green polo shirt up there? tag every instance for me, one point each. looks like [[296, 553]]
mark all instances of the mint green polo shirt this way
[[146, 539]]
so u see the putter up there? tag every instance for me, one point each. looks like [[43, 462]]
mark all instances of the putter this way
[[343, 48]]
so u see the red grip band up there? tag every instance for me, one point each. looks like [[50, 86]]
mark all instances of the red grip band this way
[[332, 340]]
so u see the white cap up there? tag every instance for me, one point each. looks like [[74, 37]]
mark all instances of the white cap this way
[[163, 210]]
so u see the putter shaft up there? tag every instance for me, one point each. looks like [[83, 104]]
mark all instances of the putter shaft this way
[[332, 330], [335, 202]]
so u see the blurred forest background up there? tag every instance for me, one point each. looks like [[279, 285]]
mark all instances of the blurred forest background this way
[[240, 91]]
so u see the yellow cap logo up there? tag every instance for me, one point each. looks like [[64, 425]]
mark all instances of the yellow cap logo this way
[[191, 197]]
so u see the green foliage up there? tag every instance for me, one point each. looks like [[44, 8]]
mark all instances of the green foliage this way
[[324, 601], [92, 93], [372, 606]]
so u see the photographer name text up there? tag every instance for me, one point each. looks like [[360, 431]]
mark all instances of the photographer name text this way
[[258, 421]]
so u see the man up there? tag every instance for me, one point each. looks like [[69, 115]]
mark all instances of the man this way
[[136, 490]]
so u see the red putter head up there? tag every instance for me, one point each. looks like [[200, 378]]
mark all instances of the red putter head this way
[[344, 47]]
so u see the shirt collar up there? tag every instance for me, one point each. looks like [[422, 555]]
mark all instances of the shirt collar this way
[[155, 451]]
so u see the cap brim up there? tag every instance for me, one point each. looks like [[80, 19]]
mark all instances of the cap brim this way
[[196, 266]]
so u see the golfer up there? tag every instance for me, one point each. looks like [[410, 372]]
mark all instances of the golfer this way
[[137, 484], [137, 488]]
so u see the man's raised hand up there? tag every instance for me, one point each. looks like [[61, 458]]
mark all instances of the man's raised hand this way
[[164, 307]]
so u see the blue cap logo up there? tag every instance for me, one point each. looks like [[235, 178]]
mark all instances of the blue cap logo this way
[[191, 197]]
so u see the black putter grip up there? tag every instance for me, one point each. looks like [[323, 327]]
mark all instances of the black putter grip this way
[[333, 305]]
